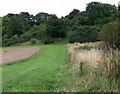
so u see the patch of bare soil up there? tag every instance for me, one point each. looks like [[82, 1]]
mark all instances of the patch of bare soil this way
[[17, 54]]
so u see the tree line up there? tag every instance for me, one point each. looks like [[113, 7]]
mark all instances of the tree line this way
[[77, 26]]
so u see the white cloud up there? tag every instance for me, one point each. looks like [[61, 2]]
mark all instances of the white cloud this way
[[58, 7]]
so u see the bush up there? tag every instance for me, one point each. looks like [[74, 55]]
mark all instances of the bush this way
[[5, 42], [27, 36], [84, 34], [110, 34], [48, 40], [12, 41], [33, 41]]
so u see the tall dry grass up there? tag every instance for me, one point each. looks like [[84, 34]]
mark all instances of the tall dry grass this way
[[104, 63], [80, 55]]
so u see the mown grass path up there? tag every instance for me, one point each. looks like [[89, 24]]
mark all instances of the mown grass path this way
[[42, 72]]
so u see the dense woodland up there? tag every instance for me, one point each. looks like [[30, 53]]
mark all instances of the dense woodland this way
[[98, 22]]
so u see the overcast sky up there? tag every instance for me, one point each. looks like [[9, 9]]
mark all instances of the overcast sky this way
[[58, 7]]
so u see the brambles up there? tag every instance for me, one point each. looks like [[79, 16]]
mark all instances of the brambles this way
[[106, 74], [94, 70], [110, 63]]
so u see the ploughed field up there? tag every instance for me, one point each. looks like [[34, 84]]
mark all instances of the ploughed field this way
[[17, 54]]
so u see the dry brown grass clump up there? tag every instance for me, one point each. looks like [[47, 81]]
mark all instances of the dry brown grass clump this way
[[78, 55]]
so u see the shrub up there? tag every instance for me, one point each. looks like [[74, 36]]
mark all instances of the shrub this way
[[33, 41], [110, 33], [27, 36], [12, 41], [47, 40], [83, 34], [5, 42]]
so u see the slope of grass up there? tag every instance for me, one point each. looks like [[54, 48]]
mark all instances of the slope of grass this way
[[42, 72]]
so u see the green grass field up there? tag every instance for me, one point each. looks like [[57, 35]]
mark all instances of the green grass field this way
[[42, 72], [51, 71]]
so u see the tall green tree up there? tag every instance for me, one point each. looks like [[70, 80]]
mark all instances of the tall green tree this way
[[72, 14], [12, 25], [101, 13], [41, 17], [25, 17], [55, 27]]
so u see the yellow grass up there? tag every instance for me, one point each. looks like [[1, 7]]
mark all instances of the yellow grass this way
[[92, 57]]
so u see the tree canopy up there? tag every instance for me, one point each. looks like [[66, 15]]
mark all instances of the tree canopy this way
[[77, 26]]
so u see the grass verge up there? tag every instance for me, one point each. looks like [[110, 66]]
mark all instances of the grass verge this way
[[41, 73]]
